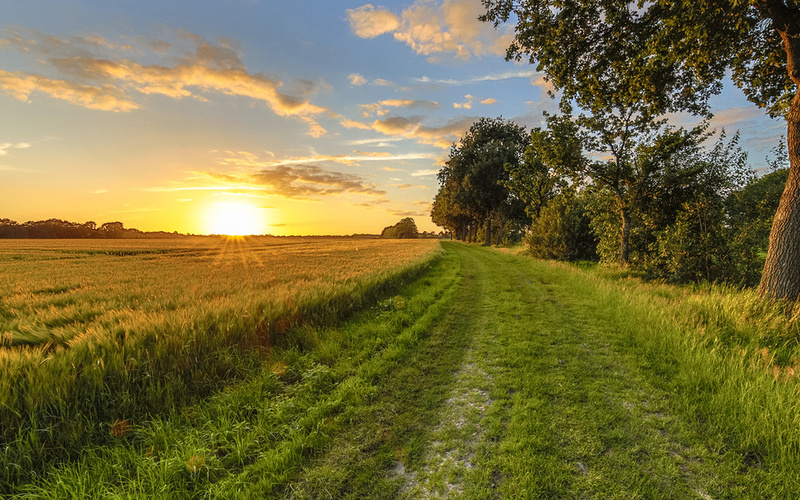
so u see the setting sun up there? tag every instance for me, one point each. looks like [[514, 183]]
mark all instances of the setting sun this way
[[235, 219]]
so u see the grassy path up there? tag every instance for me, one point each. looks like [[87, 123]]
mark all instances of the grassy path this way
[[527, 388]]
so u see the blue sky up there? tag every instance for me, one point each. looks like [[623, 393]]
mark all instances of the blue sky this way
[[305, 117]]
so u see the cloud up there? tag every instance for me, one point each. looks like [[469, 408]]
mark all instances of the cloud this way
[[368, 22], [410, 186], [379, 108], [22, 85], [435, 29], [733, 116], [466, 104], [5, 146], [536, 78], [249, 160], [377, 141], [347, 123], [305, 182], [425, 172], [489, 101], [356, 79], [397, 125], [411, 128], [96, 77]]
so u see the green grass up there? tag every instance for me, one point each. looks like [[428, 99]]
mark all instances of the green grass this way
[[491, 375]]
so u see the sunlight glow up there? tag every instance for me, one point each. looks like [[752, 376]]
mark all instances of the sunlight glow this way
[[235, 219]]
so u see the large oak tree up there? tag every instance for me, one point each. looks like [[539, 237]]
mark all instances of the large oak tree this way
[[673, 55]]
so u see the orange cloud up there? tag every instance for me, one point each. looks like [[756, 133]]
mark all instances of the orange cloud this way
[[205, 69], [21, 85], [379, 108], [249, 160], [368, 22], [466, 104], [451, 27], [357, 80]]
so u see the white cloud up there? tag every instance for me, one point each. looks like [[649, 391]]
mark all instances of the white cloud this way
[[5, 146], [536, 78], [425, 172]]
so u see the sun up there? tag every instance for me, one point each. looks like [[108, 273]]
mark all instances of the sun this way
[[235, 219]]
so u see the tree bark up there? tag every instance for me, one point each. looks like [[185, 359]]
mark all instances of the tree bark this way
[[626, 238], [781, 276], [487, 241]]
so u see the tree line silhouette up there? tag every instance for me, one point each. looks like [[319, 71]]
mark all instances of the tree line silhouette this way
[[57, 228]]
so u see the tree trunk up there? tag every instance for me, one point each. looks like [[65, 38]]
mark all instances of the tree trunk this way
[[487, 240], [626, 237], [781, 276]]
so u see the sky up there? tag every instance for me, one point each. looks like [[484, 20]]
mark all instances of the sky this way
[[254, 116]]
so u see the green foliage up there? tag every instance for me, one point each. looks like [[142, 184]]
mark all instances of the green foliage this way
[[562, 231], [694, 247], [670, 55], [626, 64], [405, 229], [553, 155], [754, 206], [472, 192]]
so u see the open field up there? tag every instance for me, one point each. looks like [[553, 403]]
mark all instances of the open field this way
[[97, 332], [481, 374]]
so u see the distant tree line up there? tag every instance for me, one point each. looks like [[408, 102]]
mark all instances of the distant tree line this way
[[57, 228], [670, 203]]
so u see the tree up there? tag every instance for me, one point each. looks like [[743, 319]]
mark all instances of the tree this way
[[472, 192], [404, 229], [542, 174], [562, 230], [673, 56]]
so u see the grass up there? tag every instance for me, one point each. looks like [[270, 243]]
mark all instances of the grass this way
[[489, 375], [545, 381]]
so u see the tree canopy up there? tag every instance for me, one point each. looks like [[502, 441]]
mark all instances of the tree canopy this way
[[472, 191], [404, 229], [627, 63]]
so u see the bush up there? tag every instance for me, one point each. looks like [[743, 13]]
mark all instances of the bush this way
[[695, 247], [562, 231]]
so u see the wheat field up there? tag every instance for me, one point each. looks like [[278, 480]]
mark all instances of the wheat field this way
[[95, 331]]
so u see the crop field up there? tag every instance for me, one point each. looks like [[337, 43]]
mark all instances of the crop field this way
[[62, 292], [102, 331]]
